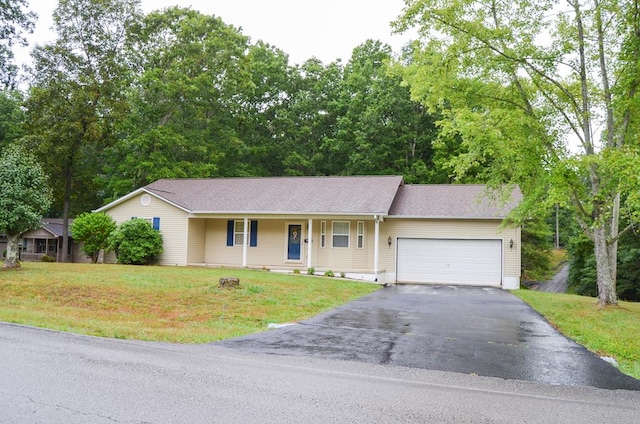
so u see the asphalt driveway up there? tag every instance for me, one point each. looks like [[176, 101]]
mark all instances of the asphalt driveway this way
[[471, 330]]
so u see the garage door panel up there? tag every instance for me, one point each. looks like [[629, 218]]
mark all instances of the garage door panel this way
[[450, 261]]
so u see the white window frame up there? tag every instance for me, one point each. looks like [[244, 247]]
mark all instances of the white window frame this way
[[238, 237], [334, 234], [360, 235], [323, 234], [149, 219]]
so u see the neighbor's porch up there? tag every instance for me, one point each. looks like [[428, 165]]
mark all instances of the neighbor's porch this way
[[36, 248]]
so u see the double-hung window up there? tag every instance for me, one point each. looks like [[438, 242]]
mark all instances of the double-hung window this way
[[340, 236], [323, 233], [360, 235], [235, 233], [238, 232]]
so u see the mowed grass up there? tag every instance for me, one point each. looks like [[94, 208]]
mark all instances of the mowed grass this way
[[174, 304], [613, 331]]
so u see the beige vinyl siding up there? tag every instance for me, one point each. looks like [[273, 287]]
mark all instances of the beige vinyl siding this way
[[216, 250], [173, 225], [78, 255], [344, 259], [451, 229], [271, 249], [272, 239], [196, 242]]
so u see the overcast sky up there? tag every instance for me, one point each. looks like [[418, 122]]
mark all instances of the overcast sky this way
[[326, 29]]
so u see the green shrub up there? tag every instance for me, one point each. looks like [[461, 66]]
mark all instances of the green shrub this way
[[47, 258], [93, 231], [311, 271], [329, 273], [296, 271], [135, 242]]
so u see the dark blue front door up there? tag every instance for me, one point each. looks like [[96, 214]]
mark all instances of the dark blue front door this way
[[293, 251]]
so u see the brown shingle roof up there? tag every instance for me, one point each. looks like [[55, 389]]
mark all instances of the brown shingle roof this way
[[315, 195], [451, 201]]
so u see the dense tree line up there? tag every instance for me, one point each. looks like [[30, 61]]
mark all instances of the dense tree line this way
[[121, 99]]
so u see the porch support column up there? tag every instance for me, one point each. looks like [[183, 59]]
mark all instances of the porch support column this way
[[376, 246], [309, 233], [245, 241]]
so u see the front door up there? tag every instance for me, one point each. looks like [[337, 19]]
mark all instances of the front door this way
[[293, 249]]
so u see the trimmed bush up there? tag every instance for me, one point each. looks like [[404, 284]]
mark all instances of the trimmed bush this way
[[135, 242], [93, 231]]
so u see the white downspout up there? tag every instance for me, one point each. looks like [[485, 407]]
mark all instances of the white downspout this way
[[376, 247], [245, 242], [309, 247]]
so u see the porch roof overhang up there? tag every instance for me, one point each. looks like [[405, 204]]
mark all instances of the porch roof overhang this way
[[285, 215]]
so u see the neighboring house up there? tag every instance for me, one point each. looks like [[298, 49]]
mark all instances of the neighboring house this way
[[3, 245], [47, 240], [370, 227]]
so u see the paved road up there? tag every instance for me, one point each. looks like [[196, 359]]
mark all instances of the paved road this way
[[558, 284], [472, 330], [51, 377]]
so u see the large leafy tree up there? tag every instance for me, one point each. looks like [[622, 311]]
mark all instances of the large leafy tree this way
[[24, 196], [309, 119], [542, 95], [380, 129], [77, 97], [191, 69], [15, 20], [263, 124]]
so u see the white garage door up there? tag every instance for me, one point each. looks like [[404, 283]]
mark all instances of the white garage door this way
[[447, 261]]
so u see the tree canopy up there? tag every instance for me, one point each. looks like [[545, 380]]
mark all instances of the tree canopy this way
[[15, 21], [76, 98], [519, 84], [24, 196]]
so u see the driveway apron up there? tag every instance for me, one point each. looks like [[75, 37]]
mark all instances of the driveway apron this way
[[471, 330]]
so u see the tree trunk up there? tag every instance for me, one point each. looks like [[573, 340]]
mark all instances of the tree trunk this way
[[606, 273], [11, 260], [65, 217]]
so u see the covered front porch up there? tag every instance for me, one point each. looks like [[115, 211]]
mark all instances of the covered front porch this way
[[342, 244], [37, 247]]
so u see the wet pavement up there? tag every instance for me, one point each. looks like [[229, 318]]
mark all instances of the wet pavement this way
[[558, 284], [472, 330]]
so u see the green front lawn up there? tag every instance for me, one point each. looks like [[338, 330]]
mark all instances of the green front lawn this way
[[178, 304], [613, 331], [174, 304]]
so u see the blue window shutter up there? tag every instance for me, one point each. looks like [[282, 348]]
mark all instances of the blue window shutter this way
[[156, 223], [253, 241], [230, 233]]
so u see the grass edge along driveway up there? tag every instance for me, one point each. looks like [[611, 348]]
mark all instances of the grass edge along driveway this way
[[613, 331], [159, 303]]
